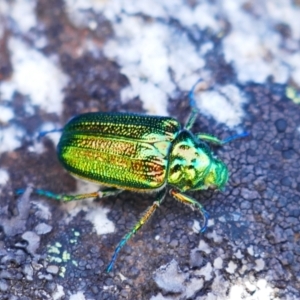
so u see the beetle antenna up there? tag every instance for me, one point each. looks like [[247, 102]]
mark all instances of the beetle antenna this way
[[194, 110], [43, 133]]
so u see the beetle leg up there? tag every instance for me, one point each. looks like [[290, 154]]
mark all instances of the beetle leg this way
[[145, 217], [234, 137], [214, 140], [185, 199], [209, 138], [192, 118], [66, 198]]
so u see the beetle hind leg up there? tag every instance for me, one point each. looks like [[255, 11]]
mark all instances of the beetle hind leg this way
[[66, 198], [193, 204], [145, 217]]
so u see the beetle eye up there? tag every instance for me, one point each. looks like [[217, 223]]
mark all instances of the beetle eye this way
[[176, 168]]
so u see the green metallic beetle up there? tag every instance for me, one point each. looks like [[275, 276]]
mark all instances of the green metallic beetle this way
[[143, 154]]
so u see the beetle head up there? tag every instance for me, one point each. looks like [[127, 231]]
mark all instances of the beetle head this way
[[216, 177]]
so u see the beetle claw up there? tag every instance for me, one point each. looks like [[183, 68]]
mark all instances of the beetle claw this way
[[205, 220], [20, 192]]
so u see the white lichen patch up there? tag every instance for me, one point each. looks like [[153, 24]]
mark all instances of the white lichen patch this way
[[77, 296], [238, 254], [219, 288], [98, 217], [205, 271], [260, 264], [4, 178], [196, 226], [210, 222], [36, 147], [170, 278], [250, 250], [249, 57], [231, 267], [203, 246], [22, 14], [244, 267], [10, 138], [159, 296], [58, 293], [157, 58], [6, 114], [248, 288], [256, 290], [192, 287], [224, 104], [218, 263], [35, 76], [43, 210], [146, 57], [216, 238], [255, 48]]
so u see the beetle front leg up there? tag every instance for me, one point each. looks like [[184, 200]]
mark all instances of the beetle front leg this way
[[214, 140], [66, 198], [187, 200], [144, 219]]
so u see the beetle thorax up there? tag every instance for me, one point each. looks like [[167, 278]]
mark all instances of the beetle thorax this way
[[192, 165]]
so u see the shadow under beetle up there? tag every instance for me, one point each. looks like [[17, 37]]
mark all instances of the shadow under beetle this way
[[143, 154]]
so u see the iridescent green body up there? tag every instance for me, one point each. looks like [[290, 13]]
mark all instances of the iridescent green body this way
[[139, 153], [143, 154]]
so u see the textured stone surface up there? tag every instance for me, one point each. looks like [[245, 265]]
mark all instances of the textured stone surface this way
[[61, 58]]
